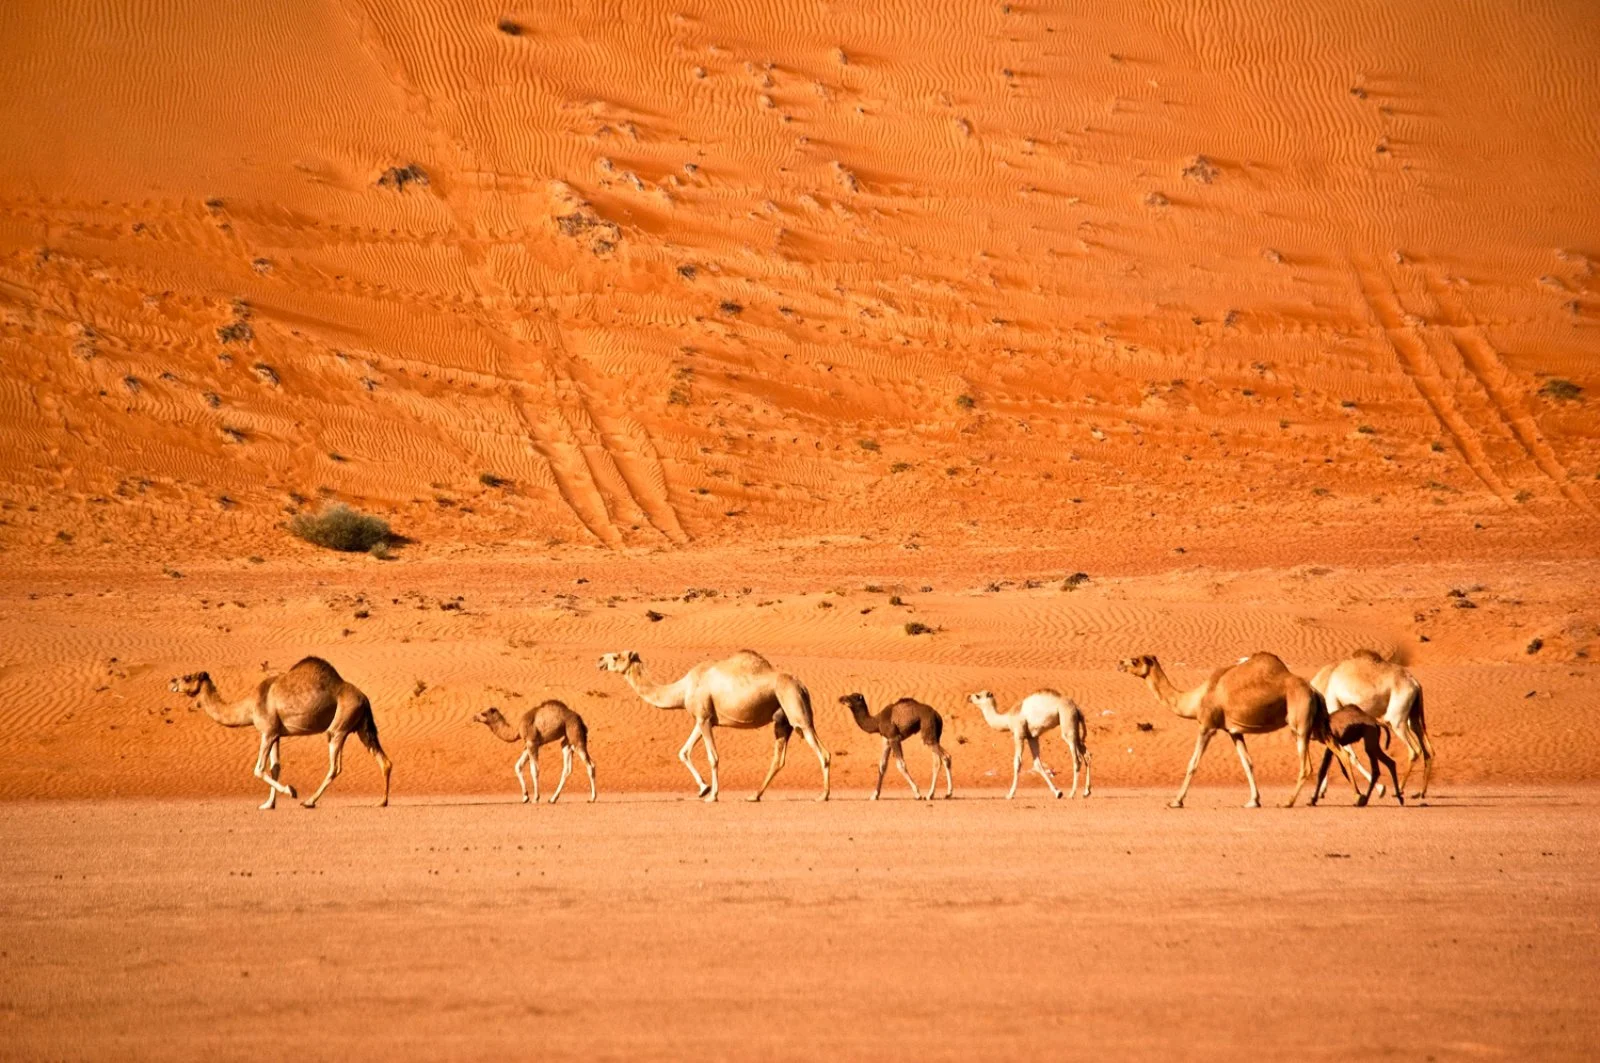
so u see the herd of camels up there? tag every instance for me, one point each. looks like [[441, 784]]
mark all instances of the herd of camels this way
[[1357, 702]]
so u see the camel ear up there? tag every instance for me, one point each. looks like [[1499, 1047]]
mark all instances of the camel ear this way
[[633, 658]]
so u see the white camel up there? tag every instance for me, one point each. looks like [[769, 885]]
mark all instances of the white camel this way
[[742, 691], [1033, 716], [1388, 691]]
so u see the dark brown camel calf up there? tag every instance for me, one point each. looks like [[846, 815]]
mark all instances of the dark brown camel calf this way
[[895, 724], [1346, 728]]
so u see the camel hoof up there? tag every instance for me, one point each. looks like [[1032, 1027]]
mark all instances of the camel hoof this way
[[1174, 804], [267, 806], [822, 799], [293, 793], [308, 804], [524, 798], [753, 797], [384, 803], [1059, 795], [710, 799], [704, 789], [552, 800], [872, 797]]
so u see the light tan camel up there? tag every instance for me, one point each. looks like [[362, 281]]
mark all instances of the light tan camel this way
[[896, 723], [547, 722], [1346, 728], [742, 691], [308, 699], [1388, 691], [1257, 695], [1033, 716]]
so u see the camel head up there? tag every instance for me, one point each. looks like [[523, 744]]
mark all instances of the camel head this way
[[1139, 667], [618, 662], [855, 703], [489, 716], [189, 685], [984, 700]]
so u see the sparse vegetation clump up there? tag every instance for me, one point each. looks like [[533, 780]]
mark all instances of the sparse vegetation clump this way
[[1074, 581], [917, 627], [338, 527], [489, 479], [900, 466], [397, 177], [509, 27], [1560, 390], [966, 402], [867, 444]]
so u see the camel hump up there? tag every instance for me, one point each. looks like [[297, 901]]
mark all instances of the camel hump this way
[[314, 668], [1365, 654], [747, 661]]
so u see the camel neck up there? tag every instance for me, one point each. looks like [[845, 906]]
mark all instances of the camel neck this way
[[660, 697], [994, 717], [503, 730], [1169, 695], [227, 715], [864, 719]]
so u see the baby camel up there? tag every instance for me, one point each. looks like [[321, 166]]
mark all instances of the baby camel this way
[[1345, 728], [895, 724], [308, 699], [547, 722], [1033, 716]]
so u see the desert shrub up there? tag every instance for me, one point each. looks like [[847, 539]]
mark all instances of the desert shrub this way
[[338, 527], [868, 444], [900, 466], [916, 627], [966, 402], [397, 177], [1560, 390], [489, 479], [1074, 581], [509, 27]]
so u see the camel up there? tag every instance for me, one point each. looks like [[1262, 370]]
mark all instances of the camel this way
[[310, 698], [549, 721], [1345, 728], [1033, 716], [742, 691], [895, 724], [1255, 696], [1388, 691]]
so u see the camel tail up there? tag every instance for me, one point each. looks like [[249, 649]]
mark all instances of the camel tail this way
[[1319, 730], [934, 731], [580, 732]]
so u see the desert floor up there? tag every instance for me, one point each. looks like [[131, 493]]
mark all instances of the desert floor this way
[[653, 927]]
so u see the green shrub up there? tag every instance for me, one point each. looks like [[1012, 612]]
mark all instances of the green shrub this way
[[338, 527]]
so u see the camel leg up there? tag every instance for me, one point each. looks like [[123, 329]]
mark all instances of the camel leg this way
[[269, 750], [939, 757], [1088, 771], [1322, 778], [1385, 760], [949, 783], [1016, 765], [1039, 765], [883, 766], [686, 755], [900, 762], [533, 770], [335, 765], [566, 771], [1200, 743], [1363, 798], [1076, 761], [711, 755], [517, 768], [1303, 745], [583, 755], [369, 738], [272, 770], [1417, 748], [780, 758], [824, 759]]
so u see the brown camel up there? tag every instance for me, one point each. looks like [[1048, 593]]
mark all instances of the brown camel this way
[[308, 699], [1257, 695], [1388, 691], [895, 724], [1345, 728], [742, 691], [549, 721]]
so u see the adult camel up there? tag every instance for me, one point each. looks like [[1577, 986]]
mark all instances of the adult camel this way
[[310, 698], [1388, 691], [1257, 695], [742, 691]]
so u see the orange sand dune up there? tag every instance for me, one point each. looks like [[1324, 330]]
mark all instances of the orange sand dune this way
[[968, 275]]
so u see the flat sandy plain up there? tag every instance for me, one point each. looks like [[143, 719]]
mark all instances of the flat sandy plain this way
[[650, 927]]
